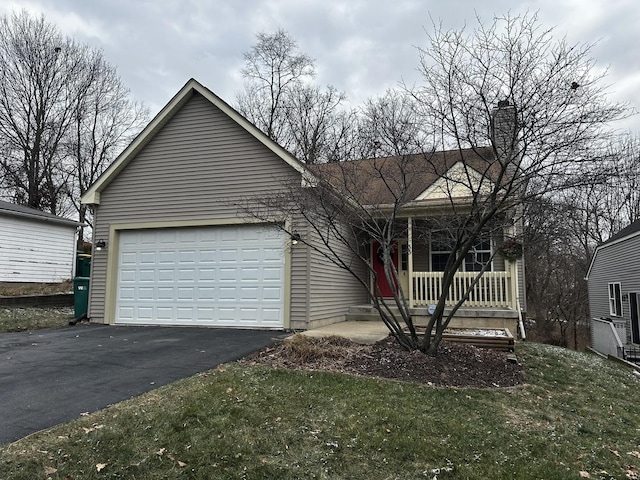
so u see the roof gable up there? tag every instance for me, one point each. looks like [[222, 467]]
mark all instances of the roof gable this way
[[623, 235], [92, 196], [419, 177], [456, 184]]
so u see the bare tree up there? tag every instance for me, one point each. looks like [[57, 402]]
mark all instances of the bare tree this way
[[514, 115], [557, 262], [64, 114], [311, 119], [563, 230], [554, 115], [273, 68], [105, 121], [391, 126], [280, 99], [41, 75]]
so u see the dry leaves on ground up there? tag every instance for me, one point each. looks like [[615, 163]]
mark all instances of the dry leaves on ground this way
[[458, 365]]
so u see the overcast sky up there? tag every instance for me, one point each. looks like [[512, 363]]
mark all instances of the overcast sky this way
[[360, 47]]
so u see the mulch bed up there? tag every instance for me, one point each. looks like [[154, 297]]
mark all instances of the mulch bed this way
[[456, 365]]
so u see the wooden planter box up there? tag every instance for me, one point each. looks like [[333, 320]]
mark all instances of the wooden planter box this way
[[495, 338]]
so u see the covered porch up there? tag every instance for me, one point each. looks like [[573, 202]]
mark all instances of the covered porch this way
[[493, 301]]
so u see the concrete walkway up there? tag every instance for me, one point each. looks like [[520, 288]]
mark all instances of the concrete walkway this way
[[364, 332]]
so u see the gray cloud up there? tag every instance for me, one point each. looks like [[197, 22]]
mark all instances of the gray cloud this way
[[361, 47]]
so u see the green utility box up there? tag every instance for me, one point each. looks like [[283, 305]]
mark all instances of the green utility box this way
[[80, 296]]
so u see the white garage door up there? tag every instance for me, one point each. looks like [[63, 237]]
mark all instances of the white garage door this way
[[215, 276]]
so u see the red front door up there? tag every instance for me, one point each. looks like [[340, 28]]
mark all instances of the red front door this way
[[378, 267]]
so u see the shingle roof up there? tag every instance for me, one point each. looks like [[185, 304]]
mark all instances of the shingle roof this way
[[374, 181], [631, 229], [12, 209]]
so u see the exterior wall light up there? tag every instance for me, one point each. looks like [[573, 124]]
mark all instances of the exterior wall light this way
[[101, 245], [295, 238]]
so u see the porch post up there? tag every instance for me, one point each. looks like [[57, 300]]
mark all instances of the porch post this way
[[410, 258]]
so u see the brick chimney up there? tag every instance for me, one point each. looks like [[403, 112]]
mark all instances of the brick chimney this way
[[504, 134]]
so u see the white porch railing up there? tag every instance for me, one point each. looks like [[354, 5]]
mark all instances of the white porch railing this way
[[494, 289]]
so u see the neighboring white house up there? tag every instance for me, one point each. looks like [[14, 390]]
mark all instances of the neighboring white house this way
[[35, 246]]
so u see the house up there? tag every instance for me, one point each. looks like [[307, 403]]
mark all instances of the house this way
[[179, 251], [614, 294], [429, 182], [35, 247]]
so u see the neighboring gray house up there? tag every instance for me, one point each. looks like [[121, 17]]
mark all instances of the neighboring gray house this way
[[35, 246], [178, 252], [614, 294]]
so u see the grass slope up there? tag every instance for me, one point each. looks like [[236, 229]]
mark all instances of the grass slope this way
[[576, 416]]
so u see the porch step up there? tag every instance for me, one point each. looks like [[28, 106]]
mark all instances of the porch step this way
[[464, 317], [363, 317], [366, 313]]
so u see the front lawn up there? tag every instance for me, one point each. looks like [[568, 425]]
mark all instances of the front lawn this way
[[577, 417]]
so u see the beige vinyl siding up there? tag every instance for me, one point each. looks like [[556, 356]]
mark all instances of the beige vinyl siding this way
[[332, 290], [499, 264], [421, 255], [197, 168], [618, 262]]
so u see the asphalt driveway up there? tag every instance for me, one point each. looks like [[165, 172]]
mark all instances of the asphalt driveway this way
[[52, 376]]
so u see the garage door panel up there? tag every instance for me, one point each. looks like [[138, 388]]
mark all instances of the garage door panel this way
[[272, 274], [228, 255], [146, 293], [231, 276], [186, 274], [228, 294], [272, 294], [146, 275], [206, 293], [127, 293], [127, 275], [206, 274], [228, 274], [165, 275], [128, 258], [208, 256]]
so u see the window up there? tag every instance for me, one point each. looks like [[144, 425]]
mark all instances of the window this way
[[615, 299], [474, 261], [404, 257], [478, 256]]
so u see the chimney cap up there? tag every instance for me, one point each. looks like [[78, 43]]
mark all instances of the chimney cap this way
[[503, 103]]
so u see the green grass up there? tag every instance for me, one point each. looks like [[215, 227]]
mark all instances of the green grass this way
[[17, 319], [577, 413]]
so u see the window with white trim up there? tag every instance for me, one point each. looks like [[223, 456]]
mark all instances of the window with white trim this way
[[615, 299], [474, 261]]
